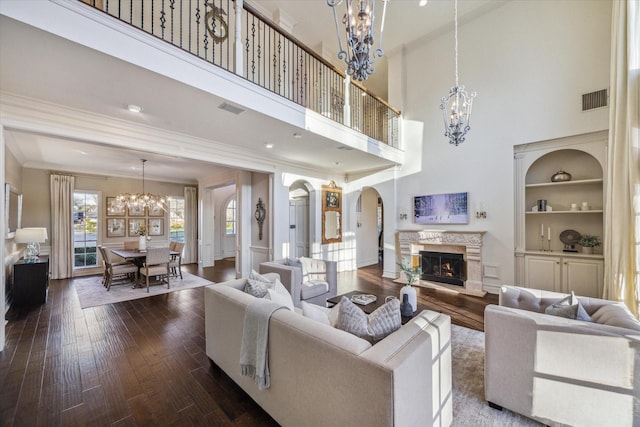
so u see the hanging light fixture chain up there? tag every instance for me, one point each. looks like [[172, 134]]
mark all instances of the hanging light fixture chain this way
[[455, 35]]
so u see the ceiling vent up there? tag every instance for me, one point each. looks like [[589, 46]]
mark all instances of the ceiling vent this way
[[597, 99], [230, 108]]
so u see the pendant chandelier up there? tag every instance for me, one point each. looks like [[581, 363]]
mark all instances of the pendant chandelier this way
[[456, 107], [142, 200], [359, 24]]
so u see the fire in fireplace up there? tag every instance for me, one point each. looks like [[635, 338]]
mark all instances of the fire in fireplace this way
[[443, 267]]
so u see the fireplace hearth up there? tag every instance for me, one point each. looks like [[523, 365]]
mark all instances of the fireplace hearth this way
[[443, 267]]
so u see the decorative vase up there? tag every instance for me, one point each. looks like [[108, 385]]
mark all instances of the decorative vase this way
[[142, 243], [587, 250], [405, 307], [411, 296]]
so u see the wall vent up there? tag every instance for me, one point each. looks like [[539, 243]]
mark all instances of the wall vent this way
[[597, 99]]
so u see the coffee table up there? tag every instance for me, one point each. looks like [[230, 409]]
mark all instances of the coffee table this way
[[369, 308]]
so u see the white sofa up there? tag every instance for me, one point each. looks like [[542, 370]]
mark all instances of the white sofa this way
[[561, 371], [322, 376]]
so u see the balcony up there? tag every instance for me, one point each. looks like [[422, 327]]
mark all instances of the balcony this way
[[247, 44]]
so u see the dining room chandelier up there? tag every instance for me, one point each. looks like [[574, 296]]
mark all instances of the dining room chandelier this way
[[359, 22], [142, 200], [456, 107]]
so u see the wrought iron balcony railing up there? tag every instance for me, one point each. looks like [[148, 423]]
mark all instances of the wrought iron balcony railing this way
[[235, 37]]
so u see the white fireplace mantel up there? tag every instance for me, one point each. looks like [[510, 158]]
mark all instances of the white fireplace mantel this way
[[468, 243]]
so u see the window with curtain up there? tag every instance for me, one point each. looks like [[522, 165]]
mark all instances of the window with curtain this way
[[176, 218], [85, 229], [230, 223]]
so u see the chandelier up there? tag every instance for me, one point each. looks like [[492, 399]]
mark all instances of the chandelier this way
[[142, 200], [456, 108], [359, 21]]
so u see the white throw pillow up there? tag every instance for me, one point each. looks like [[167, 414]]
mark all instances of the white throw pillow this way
[[616, 314], [276, 292], [315, 312]]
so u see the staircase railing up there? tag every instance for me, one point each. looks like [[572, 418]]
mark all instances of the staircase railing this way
[[234, 36]]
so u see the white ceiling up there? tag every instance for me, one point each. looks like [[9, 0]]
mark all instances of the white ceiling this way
[[64, 73]]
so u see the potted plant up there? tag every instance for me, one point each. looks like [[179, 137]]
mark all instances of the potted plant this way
[[588, 242], [412, 274]]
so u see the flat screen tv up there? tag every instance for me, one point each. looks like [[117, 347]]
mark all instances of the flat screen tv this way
[[449, 208]]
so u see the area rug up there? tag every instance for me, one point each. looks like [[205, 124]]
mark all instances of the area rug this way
[[469, 406], [92, 293]]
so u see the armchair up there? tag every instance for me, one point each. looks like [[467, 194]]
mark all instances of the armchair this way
[[307, 279]]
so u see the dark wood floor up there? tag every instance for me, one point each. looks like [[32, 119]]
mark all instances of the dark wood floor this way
[[143, 362]]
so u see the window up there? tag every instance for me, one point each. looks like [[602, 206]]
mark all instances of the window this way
[[176, 218], [230, 218], [85, 229]]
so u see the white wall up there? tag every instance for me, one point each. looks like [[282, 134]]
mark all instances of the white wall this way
[[529, 61]]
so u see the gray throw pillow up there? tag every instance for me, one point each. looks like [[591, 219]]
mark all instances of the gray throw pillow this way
[[569, 308], [383, 321], [257, 285]]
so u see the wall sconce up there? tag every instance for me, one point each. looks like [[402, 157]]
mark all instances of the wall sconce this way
[[481, 212], [260, 215]]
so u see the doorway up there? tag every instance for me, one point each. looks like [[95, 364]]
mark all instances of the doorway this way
[[369, 228], [299, 219]]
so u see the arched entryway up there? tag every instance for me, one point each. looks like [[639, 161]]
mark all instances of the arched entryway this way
[[369, 228], [299, 218]]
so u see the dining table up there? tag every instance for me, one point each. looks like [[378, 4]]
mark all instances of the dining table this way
[[137, 256]]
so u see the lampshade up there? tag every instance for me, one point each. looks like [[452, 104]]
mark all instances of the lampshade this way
[[31, 235]]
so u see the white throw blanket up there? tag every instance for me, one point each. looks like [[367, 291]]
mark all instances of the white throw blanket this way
[[254, 353]]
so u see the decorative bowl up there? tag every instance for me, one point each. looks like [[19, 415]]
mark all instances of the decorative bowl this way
[[561, 176]]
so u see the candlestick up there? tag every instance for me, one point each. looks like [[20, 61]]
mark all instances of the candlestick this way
[[549, 233], [542, 229]]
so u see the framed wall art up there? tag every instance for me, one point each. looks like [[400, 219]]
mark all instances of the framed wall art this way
[[156, 226], [449, 208], [136, 225], [116, 227], [114, 208], [331, 213], [135, 210], [156, 211]]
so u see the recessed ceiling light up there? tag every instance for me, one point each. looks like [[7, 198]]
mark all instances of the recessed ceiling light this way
[[134, 108], [268, 145], [337, 163], [422, 3], [297, 135]]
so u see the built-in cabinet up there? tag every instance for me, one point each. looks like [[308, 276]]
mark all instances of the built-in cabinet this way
[[543, 261]]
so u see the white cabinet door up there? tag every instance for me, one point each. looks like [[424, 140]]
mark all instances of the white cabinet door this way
[[542, 272], [583, 276]]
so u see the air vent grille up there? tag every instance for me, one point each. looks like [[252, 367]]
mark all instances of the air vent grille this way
[[597, 99], [230, 108]]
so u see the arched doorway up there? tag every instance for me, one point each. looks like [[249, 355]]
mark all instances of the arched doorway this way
[[369, 228], [299, 220]]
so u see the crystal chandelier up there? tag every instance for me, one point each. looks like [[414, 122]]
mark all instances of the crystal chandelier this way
[[142, 200], [359, 21], [456, 108]]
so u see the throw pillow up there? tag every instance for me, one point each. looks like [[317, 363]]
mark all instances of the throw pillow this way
[[257, 285], [278, 293], [616, 314], [569, 308], [315, 312], [352, 319], [383, 321]]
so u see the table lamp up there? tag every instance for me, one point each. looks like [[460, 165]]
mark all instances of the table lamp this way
[[32, 236]]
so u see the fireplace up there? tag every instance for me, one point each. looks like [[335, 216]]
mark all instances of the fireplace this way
[[443, 267]]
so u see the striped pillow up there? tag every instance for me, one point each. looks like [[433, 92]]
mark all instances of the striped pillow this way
[[382, 322]]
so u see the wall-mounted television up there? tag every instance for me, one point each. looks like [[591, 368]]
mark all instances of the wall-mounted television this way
[[449, 208]]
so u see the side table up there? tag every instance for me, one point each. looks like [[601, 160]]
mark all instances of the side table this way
[[30, 281]]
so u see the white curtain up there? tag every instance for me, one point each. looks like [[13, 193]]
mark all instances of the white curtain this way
[[62, 187], [622, 215], [190, 254]]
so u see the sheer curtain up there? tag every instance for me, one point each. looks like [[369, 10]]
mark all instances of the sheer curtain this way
[[622, 216], [190, 254], [61, 226]]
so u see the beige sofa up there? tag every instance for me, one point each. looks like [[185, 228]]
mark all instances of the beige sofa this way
[[561, 371], [322, 376], [317, 287]]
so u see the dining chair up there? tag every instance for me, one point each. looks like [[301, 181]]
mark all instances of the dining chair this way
[[172, 245], [176, 260], [156, 264], [116, 271], [134, 244]]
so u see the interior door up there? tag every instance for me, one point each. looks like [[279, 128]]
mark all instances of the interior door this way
[[299, 226]]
